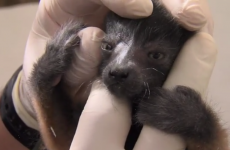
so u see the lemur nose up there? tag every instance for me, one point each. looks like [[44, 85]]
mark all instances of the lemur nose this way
[[119, 74]]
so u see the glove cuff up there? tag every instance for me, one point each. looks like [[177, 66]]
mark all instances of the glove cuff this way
[[20, 109]]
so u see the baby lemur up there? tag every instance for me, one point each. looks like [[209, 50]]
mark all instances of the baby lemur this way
[[137, 57]]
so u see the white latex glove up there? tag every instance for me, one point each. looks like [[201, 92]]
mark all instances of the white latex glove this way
[[198, 55]]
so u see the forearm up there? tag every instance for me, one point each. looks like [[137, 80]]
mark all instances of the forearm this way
[[8, 142]]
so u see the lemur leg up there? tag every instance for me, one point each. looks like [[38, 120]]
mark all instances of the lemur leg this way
[[53, 107], [182, 111]]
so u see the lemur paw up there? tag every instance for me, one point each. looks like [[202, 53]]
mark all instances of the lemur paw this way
[[57, 57], [180, 111]]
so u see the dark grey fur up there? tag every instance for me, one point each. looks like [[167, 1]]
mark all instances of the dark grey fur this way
[[180, 111]]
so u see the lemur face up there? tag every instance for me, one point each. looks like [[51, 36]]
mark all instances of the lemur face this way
[[138, 54]]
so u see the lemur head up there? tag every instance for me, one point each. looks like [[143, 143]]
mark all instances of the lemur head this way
[[138, 54]]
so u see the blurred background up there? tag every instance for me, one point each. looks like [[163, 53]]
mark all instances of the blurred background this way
[[16, 17]]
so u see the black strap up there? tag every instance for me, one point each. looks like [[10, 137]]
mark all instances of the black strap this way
[[24, 134]]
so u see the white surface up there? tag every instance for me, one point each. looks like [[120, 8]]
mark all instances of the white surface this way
[[15, 23]]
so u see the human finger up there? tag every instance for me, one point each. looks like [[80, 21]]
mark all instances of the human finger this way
[[151, 138], [104, 123], [87, 57], [194, 15], [130, 9]]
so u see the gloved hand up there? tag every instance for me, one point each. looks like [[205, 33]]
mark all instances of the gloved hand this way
[[198, 54]]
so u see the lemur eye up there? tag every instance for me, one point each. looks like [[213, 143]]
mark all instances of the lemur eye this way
[[106, 46], [155, 55]]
